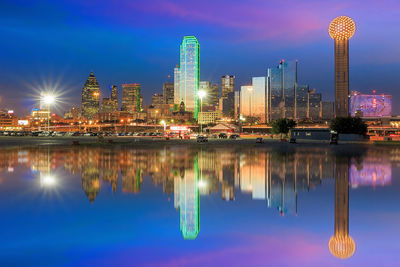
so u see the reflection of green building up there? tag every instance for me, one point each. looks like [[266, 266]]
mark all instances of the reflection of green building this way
[[90, 181], [131, 180], [189, 203]]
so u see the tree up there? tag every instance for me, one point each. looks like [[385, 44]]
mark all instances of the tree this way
[[349, 125], [282, 126]]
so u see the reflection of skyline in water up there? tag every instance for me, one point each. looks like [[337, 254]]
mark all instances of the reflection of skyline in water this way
[[268, 175]]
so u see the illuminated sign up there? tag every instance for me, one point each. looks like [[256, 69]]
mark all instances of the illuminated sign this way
[[370, 173], [179, 128], [371, 105], [23, 122]]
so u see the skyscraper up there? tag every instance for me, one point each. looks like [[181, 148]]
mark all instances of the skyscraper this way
[[114, 96], [177, 90], [190, 73], [252, 99], [302, 101], [132, 100], [314, 105], [90, 97], [281, 90], [168, 93], [110, 104], [212, 93], [227, 85], [341, 29], [157, 100]]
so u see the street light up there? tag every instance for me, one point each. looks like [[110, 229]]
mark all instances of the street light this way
[[48, 99], [165, 125], [201, 94]]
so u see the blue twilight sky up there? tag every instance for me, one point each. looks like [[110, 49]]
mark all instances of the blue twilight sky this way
[[57, 43]]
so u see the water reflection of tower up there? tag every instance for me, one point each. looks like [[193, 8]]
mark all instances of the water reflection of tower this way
[[341, 245], [189, 202], [90, 181], [282, 183]]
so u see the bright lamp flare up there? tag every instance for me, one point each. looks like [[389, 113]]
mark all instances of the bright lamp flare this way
[[342, 28], [342, 247], [201, 93], [49, 99]]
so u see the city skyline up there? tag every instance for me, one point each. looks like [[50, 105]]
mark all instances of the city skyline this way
[[48, 62]]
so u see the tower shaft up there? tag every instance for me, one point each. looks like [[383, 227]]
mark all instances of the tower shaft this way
[[342, 197], [342, 78]]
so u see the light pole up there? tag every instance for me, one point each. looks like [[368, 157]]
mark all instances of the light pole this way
[[48, 100], [201, 94], [164, 124]]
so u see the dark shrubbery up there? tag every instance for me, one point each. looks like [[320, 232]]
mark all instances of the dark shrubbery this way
[[349, 125], [282, 126]]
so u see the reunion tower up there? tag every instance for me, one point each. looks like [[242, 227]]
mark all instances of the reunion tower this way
[[341, 30]]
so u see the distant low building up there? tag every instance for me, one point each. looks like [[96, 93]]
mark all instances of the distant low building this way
[[40, 114], [114, 117], [208, 117], [8, 119], [73, 114]]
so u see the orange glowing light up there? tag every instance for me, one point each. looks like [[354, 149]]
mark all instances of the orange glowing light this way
[[342, 28], [342, 247]]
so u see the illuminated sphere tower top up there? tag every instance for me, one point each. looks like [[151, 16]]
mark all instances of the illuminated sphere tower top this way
[[341, 29]]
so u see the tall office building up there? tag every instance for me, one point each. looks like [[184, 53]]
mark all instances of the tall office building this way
[[236, 105], [132, 100], [168, 93], [114, 96], [252, 99], [281, 91], [227, 85], [177, 90], [341, 29], [302, 101], [212, 93], [327, 110], [157, 100], [90, 97], [190, 73], [314, 105], [110, 104]]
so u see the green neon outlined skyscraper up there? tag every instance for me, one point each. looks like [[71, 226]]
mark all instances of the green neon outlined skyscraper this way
[[190, 73]]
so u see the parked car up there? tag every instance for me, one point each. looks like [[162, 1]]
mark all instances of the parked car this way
[[202, 138], [234, 136], [223, 135], [260, 140]]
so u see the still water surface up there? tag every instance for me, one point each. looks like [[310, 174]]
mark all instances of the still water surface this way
[[196, 206]]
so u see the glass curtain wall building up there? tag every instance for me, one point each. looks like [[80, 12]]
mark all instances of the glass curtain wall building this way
[[132, 100], [281, 91], [190, 73], [90, 97], [177, 90], [252, 100], [227, 85]]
